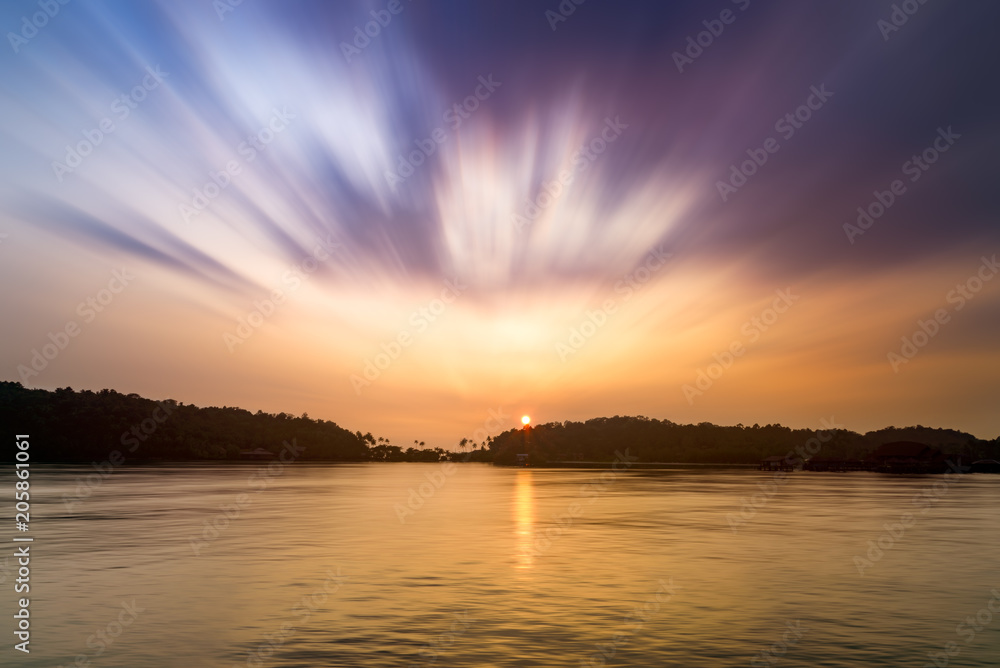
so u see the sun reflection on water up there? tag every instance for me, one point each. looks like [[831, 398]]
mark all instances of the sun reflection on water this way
[[524, 520]]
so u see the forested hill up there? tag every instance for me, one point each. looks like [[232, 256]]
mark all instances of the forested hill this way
[[663, 441], [70, 426]]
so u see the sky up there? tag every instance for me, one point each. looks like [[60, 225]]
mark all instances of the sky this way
[[425, 219]]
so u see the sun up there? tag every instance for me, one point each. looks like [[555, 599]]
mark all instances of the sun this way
[[525, 419]]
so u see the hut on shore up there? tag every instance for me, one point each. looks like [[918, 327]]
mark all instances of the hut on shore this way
[[775, 463]]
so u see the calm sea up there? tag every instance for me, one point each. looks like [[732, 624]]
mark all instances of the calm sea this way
[[421, 564]]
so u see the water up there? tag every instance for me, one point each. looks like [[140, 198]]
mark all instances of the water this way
[[505, 567]]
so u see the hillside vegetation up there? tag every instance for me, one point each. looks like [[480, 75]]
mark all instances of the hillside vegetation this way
[[70, 426]]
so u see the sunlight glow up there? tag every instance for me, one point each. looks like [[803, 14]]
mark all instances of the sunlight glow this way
[[524, 519]]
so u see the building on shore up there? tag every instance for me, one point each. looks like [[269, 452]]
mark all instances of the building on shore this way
[[775, 463]]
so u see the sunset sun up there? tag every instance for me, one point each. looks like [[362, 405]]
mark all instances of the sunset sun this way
[[525, 420]]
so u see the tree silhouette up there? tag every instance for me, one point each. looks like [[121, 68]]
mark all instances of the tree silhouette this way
[[70, 426]]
